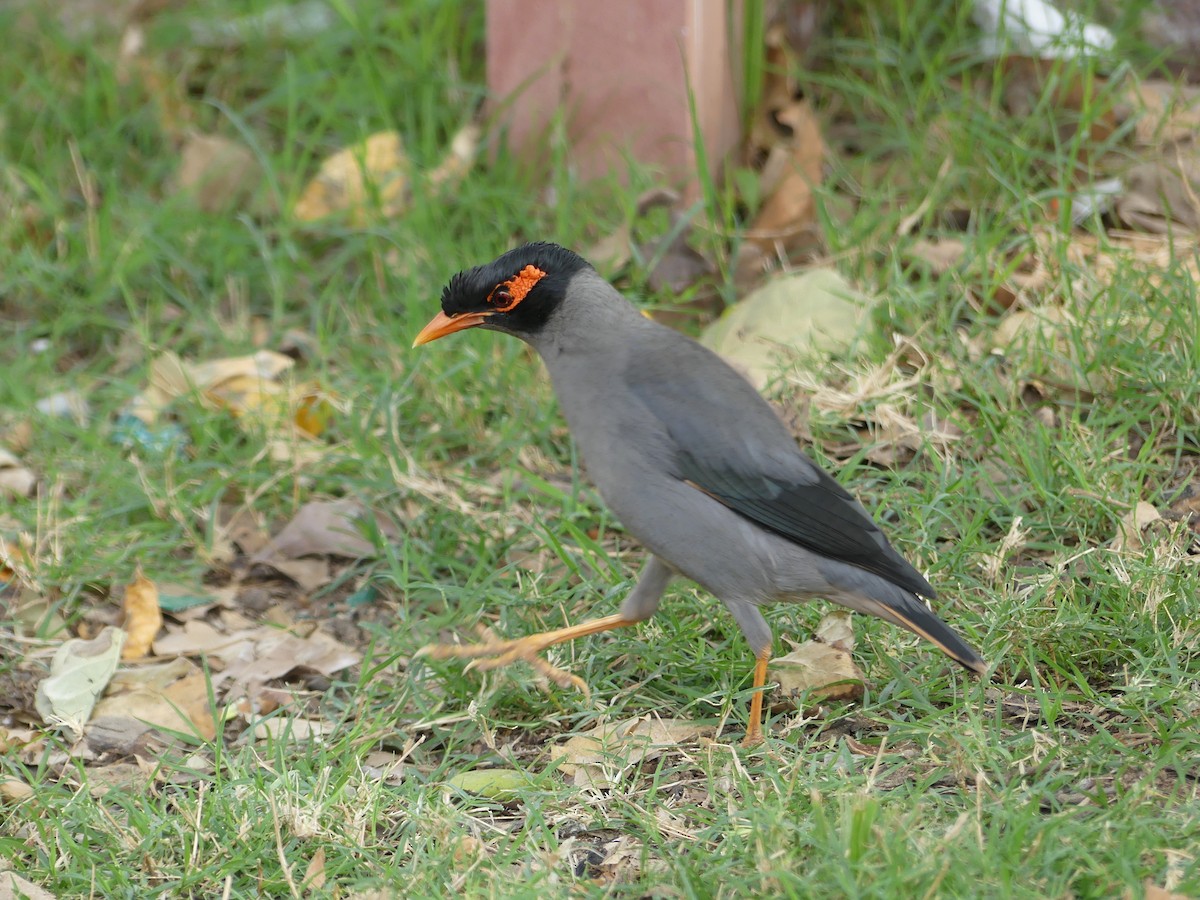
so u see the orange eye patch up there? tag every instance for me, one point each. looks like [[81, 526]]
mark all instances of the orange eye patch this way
[[508, 294]]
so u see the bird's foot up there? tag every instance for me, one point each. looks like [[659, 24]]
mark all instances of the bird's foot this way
[[753, 736], [494, 653]]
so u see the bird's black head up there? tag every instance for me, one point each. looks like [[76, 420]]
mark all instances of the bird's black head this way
[[516, 293]]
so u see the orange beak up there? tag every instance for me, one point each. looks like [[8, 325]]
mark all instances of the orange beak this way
[[442, 325]]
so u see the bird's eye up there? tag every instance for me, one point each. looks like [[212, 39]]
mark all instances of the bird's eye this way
[[501, 298]]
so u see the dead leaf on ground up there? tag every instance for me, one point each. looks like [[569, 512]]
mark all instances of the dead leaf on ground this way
[[1101, 258], [994, 563], [813, 311], [293, 728], [79, 673], [823, 667], [1154, 892], [792, 171], [13, 885], [143, 617], [204, 638], [221, 175], [15, 479], [279, 653], [171, 696], [314, 873], [321, 528], [1186, 507], [1167, 112], [464, 147], [942, 254], [674, 264], [326, 527], [16, 436], [1131, 529], [245, 657], [243, 526], [599, 757], [613, 252], [1049, 334], [128, 779], [367, 178], [1161, 196], [253, 389], [14, 790]]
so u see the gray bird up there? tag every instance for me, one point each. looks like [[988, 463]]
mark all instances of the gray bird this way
[[693, 462]]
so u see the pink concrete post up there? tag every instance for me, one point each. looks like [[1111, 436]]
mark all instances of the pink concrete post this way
[[619, 69]]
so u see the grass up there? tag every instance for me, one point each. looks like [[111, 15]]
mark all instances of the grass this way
[[1073, 775]]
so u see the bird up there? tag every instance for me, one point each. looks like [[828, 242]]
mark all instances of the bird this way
[[693, 462]]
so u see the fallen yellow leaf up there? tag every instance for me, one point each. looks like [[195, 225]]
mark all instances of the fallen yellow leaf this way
[[373, 172], [143, 617]]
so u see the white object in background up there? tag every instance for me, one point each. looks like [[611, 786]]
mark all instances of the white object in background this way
[[1036, 28]]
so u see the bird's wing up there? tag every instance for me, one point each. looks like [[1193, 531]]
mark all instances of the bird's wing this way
[[727, 442]]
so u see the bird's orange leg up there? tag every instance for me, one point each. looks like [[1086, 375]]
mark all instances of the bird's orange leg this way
[[754, 730], [495, 654]]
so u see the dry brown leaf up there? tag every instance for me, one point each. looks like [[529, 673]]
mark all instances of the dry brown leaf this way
[[310, 574], [942, 255], [1100, 258], [264, 365], [1048, 334], [1133, 524], [168, 379], [464, 147], [248, 656], [292, 728], [823, 667], [793, 169], [171, 696], [13, 886], [253, 390], [312, 409], [201, 638], [1154, 892], [15, 479], [276, 654], [143, 617], [597, 758], [613, 252], [221, 175], [16, 436], [1161, 196], [126, 779], [1167, 112], [314, 874], [836, 629], [358, 180], [14, 790], [327, 528], [243, 526]]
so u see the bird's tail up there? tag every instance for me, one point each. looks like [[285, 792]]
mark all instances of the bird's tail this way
[[908, 611]]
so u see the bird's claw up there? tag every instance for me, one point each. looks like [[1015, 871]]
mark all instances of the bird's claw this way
[[495, 654]]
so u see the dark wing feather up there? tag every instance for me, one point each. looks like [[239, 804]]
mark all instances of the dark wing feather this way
[[728, 443]]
